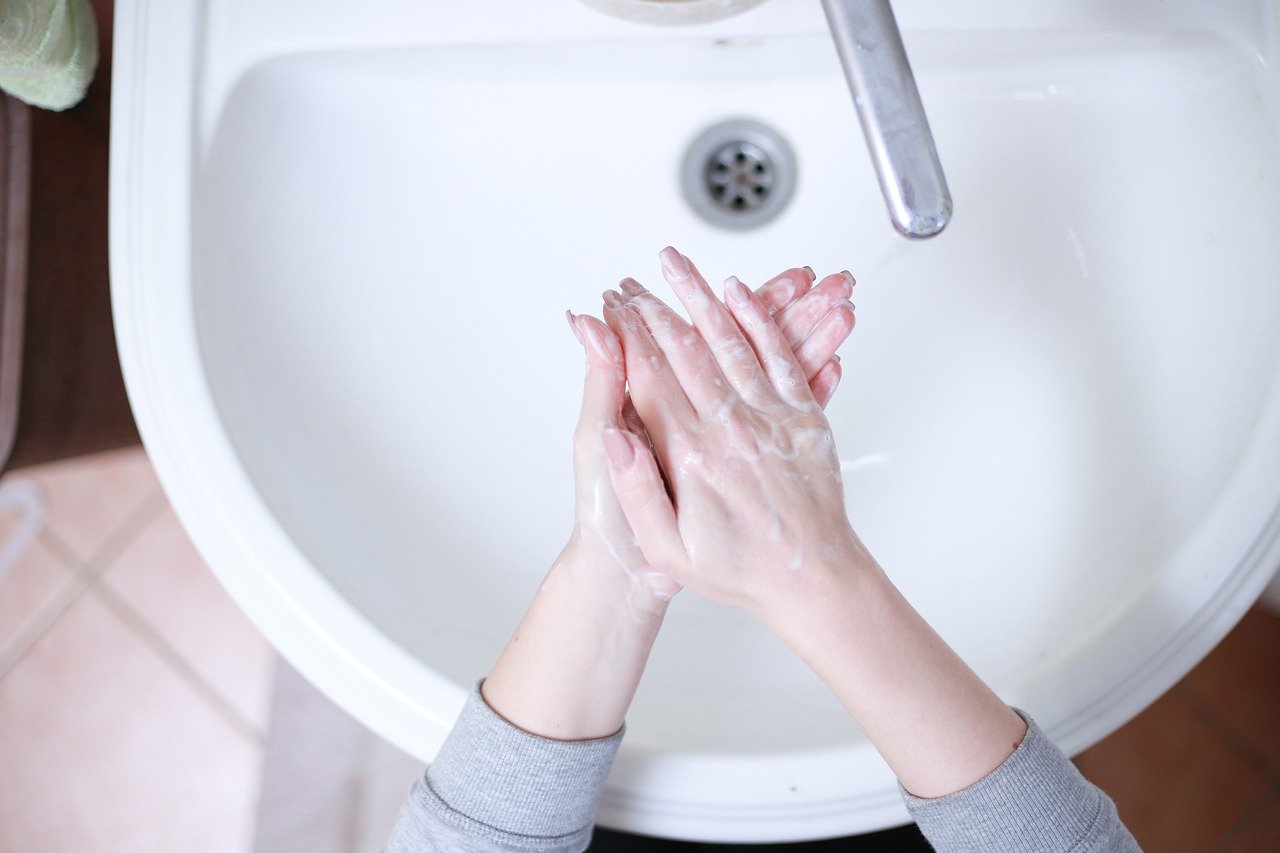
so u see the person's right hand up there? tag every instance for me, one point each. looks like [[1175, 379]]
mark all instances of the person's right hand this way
[[756, 519], [758, 510]]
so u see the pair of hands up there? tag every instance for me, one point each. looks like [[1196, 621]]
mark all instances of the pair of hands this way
[[729, 408], [718, 472]]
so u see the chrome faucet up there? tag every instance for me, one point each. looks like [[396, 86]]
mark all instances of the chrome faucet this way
[[893, 121]]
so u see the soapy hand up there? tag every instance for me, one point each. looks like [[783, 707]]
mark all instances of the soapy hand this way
[[817, 319], [739, 433]]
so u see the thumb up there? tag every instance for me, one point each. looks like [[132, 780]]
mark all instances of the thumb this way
[[644, 500]]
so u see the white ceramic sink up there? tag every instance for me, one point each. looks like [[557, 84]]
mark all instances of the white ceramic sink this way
[[341, 254]]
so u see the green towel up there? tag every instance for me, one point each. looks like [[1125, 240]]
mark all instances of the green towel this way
[[48, 50]]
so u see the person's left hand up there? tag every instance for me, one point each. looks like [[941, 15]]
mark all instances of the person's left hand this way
[[572, 667]]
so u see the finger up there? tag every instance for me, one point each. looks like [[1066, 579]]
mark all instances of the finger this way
[[655, 390], [825, 381], [772, 352], [631, 423], [605, 386], [716, 325], [826, 338], [644, 500], [687, 353], [631, 418], [786, 287], [798, 320]]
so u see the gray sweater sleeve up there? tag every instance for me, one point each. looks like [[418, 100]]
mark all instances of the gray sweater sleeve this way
[[1035, 802], [495, 787]]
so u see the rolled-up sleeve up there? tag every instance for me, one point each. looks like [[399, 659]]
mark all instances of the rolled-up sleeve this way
[[1035, 802], [496, 787]]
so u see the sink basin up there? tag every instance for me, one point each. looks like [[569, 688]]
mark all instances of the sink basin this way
[[341, 253]]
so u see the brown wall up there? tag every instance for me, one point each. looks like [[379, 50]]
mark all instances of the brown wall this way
[[71, 398]]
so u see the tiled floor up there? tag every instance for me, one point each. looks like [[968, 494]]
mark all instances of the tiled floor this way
[[133, 693], [1200, 769], [135, 697]]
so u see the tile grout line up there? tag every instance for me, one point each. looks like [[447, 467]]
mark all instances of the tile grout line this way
[[86, 575], [1269, 797], [147, 511], [145, 632], [67, 592], [95, 578], [1228, 733], [81, 574]]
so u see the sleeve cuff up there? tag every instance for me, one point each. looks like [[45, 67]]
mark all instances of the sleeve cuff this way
[[1037, 795], [503, 783]]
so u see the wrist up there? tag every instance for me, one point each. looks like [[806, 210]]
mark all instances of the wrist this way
[[602, 581], [837, 581], [572, 667], [939, 726]]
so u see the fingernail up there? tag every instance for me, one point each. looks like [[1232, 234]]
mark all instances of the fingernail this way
[[605, 347], [613, 299], [618, 449], [808, 270], [844, 303], [736, 292], [674, 264], [573, 326], [849, 276], [630, 287], [835, 358]]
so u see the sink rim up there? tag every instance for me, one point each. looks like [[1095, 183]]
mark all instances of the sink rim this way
[[292, 603]]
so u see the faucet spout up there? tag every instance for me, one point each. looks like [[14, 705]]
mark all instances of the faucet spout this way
[[892, 116]]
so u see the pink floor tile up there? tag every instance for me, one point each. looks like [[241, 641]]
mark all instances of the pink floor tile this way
[[40, 579], [1257, 834], [1178, 785], [88, 499], [105, 747], [161, 576], [1240, 680]]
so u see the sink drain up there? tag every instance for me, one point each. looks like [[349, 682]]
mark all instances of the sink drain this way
[[738, 174]]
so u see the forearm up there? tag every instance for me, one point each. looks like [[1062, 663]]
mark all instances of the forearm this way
[[573, 664], [528, 757], [937, 724]]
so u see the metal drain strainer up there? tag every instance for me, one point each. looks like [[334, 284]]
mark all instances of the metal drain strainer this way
[[738, 174]]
